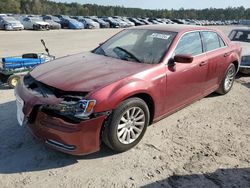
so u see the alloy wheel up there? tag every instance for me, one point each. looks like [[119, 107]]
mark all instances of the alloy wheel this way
[[131, 125]]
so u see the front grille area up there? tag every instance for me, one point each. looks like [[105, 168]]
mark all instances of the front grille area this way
[[43, 90]]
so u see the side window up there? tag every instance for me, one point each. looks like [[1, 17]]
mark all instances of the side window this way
[[222, 43], [190, 43], [238, 35], [232, 35], [211, 40]]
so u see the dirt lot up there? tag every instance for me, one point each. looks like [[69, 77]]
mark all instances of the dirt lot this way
[[204, 145]]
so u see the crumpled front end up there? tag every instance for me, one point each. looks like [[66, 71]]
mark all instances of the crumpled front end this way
[[49, 122]]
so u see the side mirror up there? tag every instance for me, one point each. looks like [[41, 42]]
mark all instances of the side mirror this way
[[183, 58]]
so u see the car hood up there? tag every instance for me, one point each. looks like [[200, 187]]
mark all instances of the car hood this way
[[245, 48], [85, 72]]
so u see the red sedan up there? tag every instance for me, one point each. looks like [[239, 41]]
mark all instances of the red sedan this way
[[132, 80]]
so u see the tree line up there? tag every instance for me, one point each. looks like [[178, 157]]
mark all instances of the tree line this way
[[56, 8]]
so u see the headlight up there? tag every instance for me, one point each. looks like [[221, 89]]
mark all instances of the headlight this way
[[81, 109]]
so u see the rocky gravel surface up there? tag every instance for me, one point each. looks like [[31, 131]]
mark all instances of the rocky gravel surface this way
[[206, 144]]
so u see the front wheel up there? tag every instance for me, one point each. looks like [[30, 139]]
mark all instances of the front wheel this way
[[228, 80], [127, 125], [13, 80]]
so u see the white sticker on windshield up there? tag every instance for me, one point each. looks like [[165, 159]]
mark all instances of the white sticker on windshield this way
[[160, 36]]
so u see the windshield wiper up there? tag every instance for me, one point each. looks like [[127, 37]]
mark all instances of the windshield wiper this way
[[127, 52]]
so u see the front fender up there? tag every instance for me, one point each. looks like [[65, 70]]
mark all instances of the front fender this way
[[111, 96]]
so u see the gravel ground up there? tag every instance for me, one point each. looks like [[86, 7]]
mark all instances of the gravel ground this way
[[206, 144]]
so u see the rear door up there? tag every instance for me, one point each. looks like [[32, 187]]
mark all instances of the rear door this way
[[217, 55], [186, 83]]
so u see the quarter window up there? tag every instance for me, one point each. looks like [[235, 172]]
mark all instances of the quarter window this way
[[222, 43], [190, 43], [210, 40]]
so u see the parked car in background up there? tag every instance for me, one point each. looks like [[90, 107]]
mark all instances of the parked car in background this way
[[10, 23], [178, 21], [102, 23], [154, 21], [54, 22], [136, 21], [114, 92], [88, 23], [70, 23], [145, 21], [122, 23], [50, 17], [34, 23], [242, 35], [129, 23], [113, 23], [3, 15]]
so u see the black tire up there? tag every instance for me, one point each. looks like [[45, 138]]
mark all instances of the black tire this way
[[222, 88], [110, 134], [13, 80]]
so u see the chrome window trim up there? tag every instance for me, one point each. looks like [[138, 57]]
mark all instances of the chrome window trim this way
[[205, 30]]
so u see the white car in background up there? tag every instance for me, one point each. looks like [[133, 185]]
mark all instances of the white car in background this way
[[10, 23], [35, 23], [242, 35]]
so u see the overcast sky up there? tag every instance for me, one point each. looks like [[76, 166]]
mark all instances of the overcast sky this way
[[162, 4]]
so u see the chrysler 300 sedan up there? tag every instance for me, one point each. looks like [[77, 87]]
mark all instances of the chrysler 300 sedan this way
[[132, 80]]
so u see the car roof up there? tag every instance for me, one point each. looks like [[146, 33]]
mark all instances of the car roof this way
[[173, 28], [242, 29]]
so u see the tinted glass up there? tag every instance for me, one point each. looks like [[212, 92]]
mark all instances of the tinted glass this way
[[211, 40], [9, 19], [190, 44], [242, 36], [145, 46]]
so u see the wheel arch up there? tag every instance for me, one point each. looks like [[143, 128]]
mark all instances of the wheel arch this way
[[149, 101], [236, 64]]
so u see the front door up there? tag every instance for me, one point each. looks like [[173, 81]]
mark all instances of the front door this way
[[186, 83]]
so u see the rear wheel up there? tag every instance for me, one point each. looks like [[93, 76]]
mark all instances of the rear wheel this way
[[127, 125], [13, 80], [227, 83]]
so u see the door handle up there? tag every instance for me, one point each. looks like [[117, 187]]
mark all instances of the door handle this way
[[226, 54], [203, 63]]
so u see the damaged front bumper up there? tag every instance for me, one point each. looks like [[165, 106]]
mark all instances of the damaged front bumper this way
[[71, 136]]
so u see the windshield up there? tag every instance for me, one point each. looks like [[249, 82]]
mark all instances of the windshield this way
[[35, 19], [9, 19], [73, 21], [88, 20], [55, 19], [242, 36], [138, 45]]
